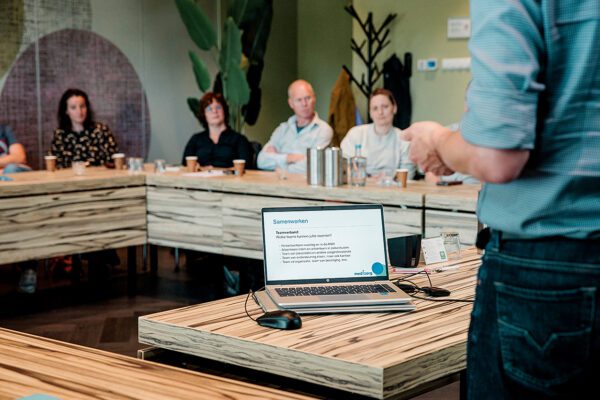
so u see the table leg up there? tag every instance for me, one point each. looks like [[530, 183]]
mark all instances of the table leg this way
[[131, 270]]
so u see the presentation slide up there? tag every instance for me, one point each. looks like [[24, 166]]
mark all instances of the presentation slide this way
[[325, 244]]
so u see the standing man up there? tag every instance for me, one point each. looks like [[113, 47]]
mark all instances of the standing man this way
[[287, 147], [12, 153], [532, 134]]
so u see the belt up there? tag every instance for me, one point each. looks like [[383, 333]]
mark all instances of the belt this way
[[486, 234]]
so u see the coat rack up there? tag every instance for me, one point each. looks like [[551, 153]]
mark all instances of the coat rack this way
[[376, 40]]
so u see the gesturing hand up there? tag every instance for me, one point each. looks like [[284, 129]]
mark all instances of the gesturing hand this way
[[424, 137]]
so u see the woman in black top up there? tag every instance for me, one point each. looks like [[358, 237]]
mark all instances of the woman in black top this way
[[78, 137], [218, 145]]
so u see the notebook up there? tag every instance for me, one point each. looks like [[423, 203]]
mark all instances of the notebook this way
[[327, 256]]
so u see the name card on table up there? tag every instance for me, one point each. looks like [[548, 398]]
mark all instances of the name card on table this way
[[434, 250]]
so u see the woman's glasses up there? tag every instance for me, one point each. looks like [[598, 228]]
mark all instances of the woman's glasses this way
[[214, 107]]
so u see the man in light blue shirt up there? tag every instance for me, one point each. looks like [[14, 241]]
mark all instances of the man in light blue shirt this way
[[532, 135], [287, 147]]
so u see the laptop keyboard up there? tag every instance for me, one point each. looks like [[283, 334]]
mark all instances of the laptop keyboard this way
[[332, 290]]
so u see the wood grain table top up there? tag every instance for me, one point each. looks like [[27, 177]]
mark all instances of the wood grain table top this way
[[34, 365], [376, 354], [417, 194], [61, 181]]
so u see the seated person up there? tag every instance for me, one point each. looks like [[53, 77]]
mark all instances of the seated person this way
[[455, 177], [78, 137], [12, 153], [380, 140], [288, 144], [218, 145]]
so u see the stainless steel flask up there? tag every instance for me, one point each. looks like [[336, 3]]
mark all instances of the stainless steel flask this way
[[333, 166], [314, 166]]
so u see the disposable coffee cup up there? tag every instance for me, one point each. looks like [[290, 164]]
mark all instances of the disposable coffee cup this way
[[50, 163], [119, 159], [192, 163], [401, 177], [239, 166]]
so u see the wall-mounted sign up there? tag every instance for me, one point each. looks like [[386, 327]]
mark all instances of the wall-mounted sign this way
[[459, 28]]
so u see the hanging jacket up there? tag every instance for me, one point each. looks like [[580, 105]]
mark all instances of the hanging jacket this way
[[341, 108]]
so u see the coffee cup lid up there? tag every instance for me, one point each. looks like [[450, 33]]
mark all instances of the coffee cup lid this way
[[239, 161], [191, 158], [118, 155], [50, 157]]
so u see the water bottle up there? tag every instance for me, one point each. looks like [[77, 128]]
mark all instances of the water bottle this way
[[358, 168]]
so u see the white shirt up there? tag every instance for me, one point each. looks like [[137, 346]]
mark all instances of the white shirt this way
[[287, 140], [383, 152]]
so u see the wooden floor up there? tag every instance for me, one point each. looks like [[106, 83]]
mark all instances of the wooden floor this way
[[108, 320]]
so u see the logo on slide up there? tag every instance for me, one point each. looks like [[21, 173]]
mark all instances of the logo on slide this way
[[377, 268]]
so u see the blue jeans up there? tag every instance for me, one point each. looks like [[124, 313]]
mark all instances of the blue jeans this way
[[535, 325], [14, 168]]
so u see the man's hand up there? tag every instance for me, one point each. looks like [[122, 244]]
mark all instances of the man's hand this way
[[270, 149], [424, 138], [295, 157]]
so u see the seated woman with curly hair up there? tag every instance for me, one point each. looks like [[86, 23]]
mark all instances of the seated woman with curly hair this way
[[218, 145], [78, 137]]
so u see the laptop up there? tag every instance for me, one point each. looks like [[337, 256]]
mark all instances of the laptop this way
[[327, 256]]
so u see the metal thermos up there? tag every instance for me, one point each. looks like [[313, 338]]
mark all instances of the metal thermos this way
[[333, 166], [315, 167]]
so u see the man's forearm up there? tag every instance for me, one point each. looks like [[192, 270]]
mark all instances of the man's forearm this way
[[485, 164]]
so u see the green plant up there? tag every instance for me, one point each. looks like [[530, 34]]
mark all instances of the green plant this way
[[240, 56]]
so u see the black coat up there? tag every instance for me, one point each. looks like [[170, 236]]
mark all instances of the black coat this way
[[396, 79]]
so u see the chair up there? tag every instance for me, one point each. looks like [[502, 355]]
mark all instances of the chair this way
[[256, 147]]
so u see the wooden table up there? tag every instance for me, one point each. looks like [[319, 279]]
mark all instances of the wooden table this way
[[32, 365], [379, 355], [222, 214], [45, 214]]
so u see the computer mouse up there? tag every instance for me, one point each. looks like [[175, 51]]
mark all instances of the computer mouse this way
[[435, 291], [280, 319]]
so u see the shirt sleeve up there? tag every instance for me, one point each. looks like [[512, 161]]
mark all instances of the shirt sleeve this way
[[506, 48], [348, 144], [405, 162], [325, 135], [244, 151], [190, 149], [109, 145], [270, 161], [58, 149], [10, 136]]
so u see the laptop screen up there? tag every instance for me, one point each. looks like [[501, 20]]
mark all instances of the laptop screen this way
[[324, 244]]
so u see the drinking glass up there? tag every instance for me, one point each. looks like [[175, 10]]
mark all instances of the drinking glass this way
[[78, 167], [135, 165], [452, 244]]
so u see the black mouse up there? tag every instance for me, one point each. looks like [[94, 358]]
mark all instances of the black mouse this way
[[280, 319], [435, 291]]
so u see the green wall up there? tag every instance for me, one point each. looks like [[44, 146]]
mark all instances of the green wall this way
[[324, 31], [420, 28]]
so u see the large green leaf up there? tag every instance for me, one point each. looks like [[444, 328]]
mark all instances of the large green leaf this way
[[194, 105], [197, 23], [238, 92], [231, 47], [200, 72]]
